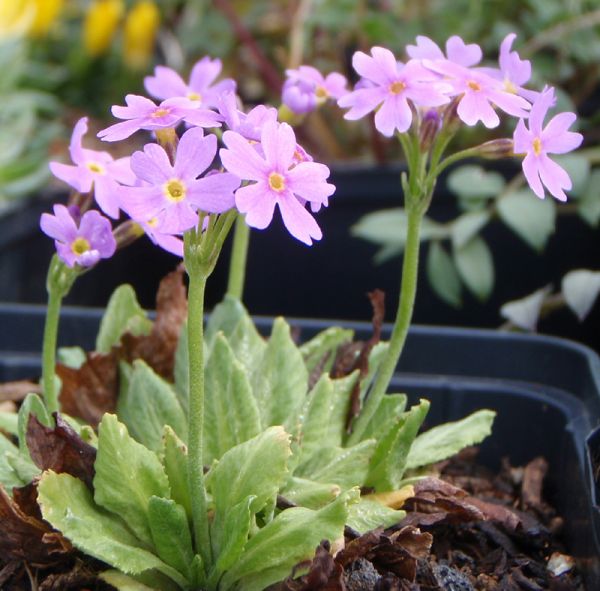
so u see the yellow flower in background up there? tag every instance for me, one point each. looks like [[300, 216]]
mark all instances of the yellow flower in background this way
[[46, 12], [100, 25], [141, 26], [16, 17], [28, 17]]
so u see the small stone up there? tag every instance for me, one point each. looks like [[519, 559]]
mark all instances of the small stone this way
[[449, 579], [361, 576], [558, 564]]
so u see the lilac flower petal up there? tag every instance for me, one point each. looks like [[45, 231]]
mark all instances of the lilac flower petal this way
[[89, 258], [430, 94], [522, 138], [362, 101], [79, 178], [252, 201], [167, 242], [512, 104], [531, 171], [214, 193], [119, 131], [307, 180], [165, 83], [195, 153], [297, 100], [152, 165], [59, 226], [554, 177], [177, 219], [75, 148], [142, 203], [539, 110], [203, 118], [241, 158], [459, 52], [216, 90], [137, 106], [65, 253], [372, 69], [425, 49], [204, 73], [298, 220], [279, 144], [474, 107], [393, 114], [335, 84], [556, 138], [106, 194], [120, 170], [96, 229]]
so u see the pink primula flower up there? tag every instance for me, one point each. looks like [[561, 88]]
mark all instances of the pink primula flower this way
[[83, 243], [166, 83], [172, 193], [538, 141], [142, 113], [94, 169], [391, 85], [457, 51], [247, 124], [479, 93], [277, 180], [306, 88]]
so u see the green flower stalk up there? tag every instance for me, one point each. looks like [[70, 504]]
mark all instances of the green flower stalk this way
[[239, 256]]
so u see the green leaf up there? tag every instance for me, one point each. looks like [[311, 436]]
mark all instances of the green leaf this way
[[67, 504], [22, 466], [123, 314], [390, 458], [324, 344], [367, 515], [588, 206], [467, 226], [9, 478], [280, 379], [443, 275], [147, 404], [247, 344], [224, 318], [531, 218], [287, 540], [73, 357], [388, 412], [580, 289], [344, 466], [9, 423], [175, 462], [255, 468], [310, 494], [578, 168], [171, 534], [476, 267], [338, 414], [473, 181], [448, 439], [122, 582], [32, 404], [231, 412], [525, 312], [127, 475]]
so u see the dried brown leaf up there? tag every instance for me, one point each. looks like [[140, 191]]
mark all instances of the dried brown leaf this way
[[25, 537], [18, 390], [60, 449], [533, 482]]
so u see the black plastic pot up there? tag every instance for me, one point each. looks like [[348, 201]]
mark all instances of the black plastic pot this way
[[545, 390]]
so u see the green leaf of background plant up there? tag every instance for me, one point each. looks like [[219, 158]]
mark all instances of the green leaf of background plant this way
[[280, 379], [444, 441], [231, 412], [73, 357], [467, 226], [287, 540], [123, 314], [474, 181], [224, 318], [175, 462], [578, 168], [9, 423], [525, 312], [390, 458], [127, 475], [443, 275], [580, 289], [67, 504], [476, 267], [171, 534], [367, 515], [588, 205], [148, 404], [531, 218]]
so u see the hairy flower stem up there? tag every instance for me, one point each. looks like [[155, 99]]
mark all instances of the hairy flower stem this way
[[406, 303], [58, 284], [195, 329], [239, 254]]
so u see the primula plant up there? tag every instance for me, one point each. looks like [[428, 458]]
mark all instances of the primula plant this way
[[227, 458]]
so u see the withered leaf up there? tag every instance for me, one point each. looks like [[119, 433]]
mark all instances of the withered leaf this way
[[158, 348], [18, 390], [91, 390], [60, 449], [533, 481], [24, 537]]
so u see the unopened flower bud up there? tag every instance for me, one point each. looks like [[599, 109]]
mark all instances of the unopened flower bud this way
[[430, 126], [127, 233], [451, 120], [496, 149]]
